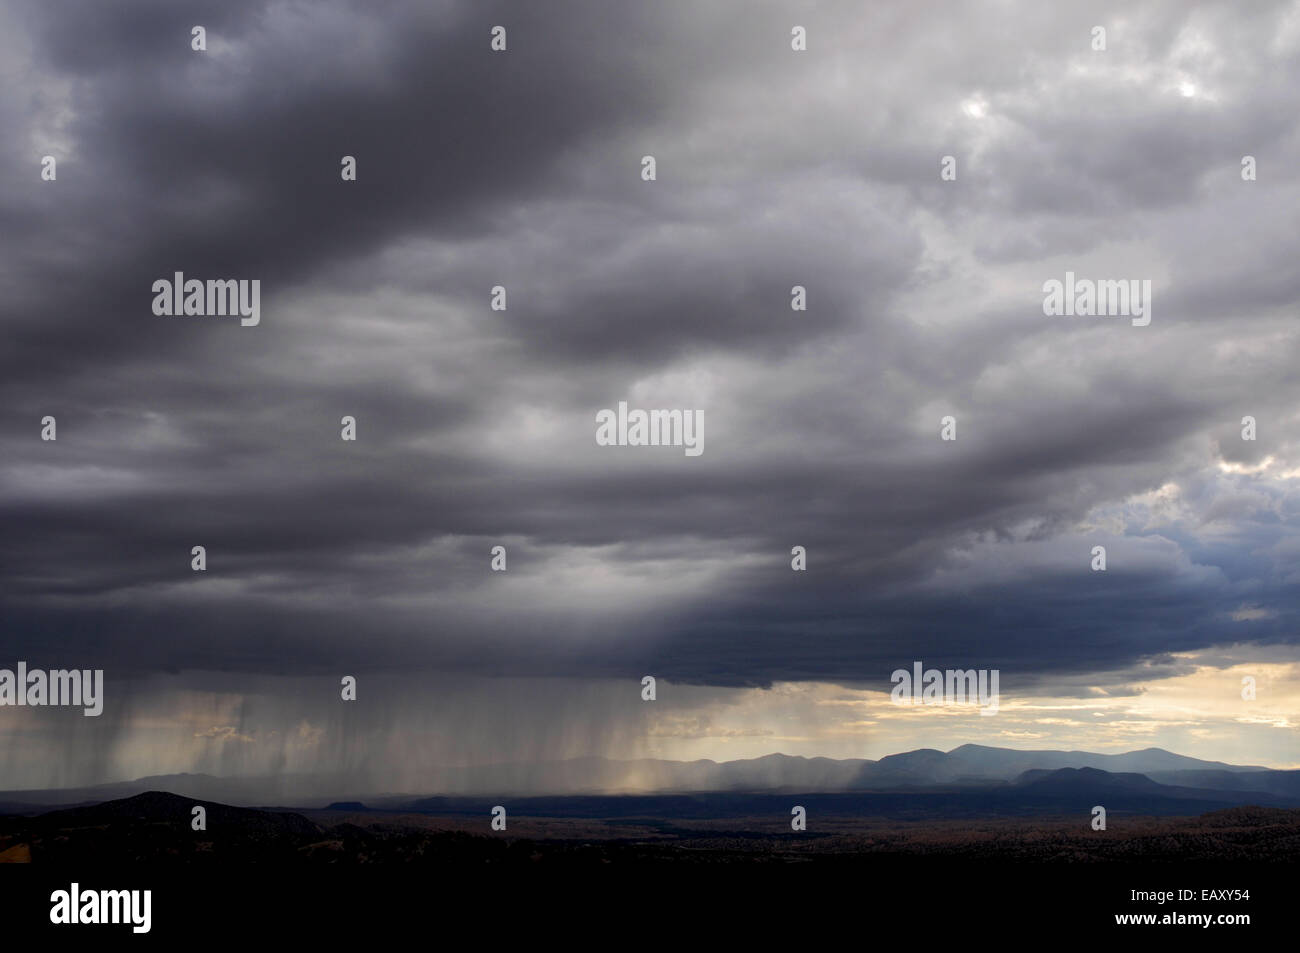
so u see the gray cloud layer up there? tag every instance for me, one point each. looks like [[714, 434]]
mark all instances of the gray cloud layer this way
[[476, 427]]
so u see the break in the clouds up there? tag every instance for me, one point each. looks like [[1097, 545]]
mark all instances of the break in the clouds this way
[[475, 426]]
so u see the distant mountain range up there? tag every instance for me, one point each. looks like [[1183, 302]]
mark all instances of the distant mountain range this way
[[969, 768]]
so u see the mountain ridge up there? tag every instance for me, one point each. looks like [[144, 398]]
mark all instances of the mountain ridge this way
[[963, 766]]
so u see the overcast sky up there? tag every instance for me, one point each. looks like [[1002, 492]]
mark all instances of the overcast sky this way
[[476, 427]]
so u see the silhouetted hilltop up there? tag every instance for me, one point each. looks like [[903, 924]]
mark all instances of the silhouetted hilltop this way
[[153, 825], [161, 807], [1072, 780]]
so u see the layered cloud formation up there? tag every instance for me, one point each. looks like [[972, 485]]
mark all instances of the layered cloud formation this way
[[476, 427]]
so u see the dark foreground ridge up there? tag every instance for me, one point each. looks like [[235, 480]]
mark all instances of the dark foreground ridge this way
[[156, 827]]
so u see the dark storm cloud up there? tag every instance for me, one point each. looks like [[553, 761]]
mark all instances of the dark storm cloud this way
[[476, 427]]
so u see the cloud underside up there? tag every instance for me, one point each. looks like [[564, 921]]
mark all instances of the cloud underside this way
[[476, 427]]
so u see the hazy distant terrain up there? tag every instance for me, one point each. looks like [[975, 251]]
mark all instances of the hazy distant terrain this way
[[965, 767], [1009, 803]]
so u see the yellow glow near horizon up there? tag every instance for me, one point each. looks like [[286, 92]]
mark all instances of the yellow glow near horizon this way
[[1199, 713]]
